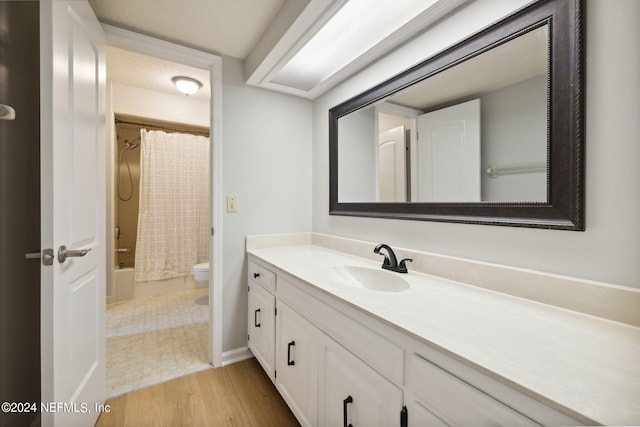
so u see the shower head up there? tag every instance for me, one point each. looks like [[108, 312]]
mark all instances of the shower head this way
[[129, 145]]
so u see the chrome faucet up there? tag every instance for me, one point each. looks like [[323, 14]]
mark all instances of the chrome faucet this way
[[390, 261]]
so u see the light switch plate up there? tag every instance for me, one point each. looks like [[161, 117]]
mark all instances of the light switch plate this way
[[232, 203]]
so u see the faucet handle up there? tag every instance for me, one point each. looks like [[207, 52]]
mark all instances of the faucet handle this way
[[402, 267]]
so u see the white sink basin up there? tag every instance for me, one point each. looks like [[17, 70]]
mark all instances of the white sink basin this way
[[369, 278]]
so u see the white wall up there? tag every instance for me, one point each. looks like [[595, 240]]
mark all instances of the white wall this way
[[267, 159], [609, 249], [504, 114], [161, 106]]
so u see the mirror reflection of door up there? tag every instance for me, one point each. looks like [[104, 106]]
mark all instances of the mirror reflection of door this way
[[448, 154], [392, 165]]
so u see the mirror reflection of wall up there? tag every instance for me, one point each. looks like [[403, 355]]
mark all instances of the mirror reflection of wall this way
[[514, 140], [474, 132], [357, 167]]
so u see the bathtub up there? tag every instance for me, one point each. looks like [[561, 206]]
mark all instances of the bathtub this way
[[126, 288]]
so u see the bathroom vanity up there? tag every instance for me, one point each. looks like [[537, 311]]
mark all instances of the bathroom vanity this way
[[347, 343]]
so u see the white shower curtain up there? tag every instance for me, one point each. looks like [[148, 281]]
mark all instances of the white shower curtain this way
[[173, 219]]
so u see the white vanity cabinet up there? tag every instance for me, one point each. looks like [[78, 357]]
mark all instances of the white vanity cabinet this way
[[261, 316], [353, 394], [321, 381], [339, 366], [297, 350]]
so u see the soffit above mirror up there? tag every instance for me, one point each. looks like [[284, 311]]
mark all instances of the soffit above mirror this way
[[295, 56]]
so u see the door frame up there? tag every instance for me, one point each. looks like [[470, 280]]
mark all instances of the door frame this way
[[129, 40], [410, 114], [399, 148]]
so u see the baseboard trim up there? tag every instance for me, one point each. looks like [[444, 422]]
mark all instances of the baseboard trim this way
[[236, 355]]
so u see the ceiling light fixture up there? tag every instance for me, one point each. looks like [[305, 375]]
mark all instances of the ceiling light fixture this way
[[186, 85], [357, 27]]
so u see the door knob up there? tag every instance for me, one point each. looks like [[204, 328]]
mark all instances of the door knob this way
[[46, 255], [64, 253]]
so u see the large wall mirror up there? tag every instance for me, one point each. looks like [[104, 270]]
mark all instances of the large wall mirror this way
[[488, 131]]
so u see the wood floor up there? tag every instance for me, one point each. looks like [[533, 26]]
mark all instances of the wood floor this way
[[240, 394]]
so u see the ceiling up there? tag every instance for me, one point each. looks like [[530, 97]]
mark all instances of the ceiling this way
[[265, 34], [148, 72], [225, 27]]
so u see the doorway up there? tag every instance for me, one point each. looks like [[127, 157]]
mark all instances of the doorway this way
[[158, 315], [167, 51]]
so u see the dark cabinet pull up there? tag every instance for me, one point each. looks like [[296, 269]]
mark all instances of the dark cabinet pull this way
[[289, 361], [256, 275], [345, 402], [255, 318]]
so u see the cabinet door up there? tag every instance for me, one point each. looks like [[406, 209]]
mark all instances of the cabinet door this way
[[261, 326], [420, 416], [352, 393], [297, 345]]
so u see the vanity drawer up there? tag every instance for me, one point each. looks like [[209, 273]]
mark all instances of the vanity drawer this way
[[455, 401], [261, 275]]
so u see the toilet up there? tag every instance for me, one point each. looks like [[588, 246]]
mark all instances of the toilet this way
[[201, 272]]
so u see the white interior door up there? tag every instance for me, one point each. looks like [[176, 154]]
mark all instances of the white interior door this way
[[448, 152], [73, 210], [392, 165]]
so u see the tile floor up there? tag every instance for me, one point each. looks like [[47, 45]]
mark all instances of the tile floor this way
[[154, 339]]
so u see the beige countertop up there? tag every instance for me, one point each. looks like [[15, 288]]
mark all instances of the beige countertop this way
[[580, 363]]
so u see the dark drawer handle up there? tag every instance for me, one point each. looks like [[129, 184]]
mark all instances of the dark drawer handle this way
[[289, 361], [256, 275], [255, 318], [345, 402]]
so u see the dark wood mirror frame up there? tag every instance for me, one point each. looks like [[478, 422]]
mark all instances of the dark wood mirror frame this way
[[564, 208]]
